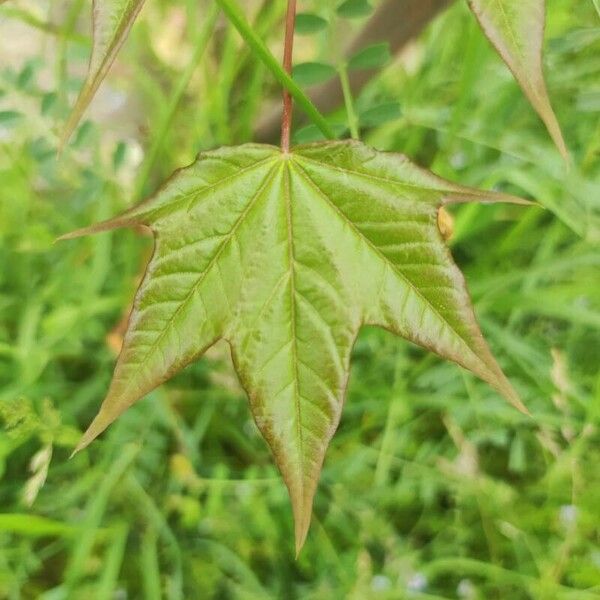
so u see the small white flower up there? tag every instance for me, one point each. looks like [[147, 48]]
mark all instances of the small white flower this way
[[5, 134], [417, 583], [568, 515], [380, 583], [458, 160], [466, 589]]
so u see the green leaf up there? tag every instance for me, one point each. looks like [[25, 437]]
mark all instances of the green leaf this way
[[112, 20], [312, 73], [372, 57], [390, 111], [516, 30], [286, 257], [9, 116], [307, 23], [354, 9]]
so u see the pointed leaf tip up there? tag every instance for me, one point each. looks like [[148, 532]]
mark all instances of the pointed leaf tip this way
[[127, 219], [509, 392], [301, 532], [111, 23], [302, 512], [466, 195], [98, 425], [516, 30]]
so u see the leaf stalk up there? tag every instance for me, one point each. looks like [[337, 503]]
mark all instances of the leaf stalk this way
[[348, 101], [288, 52], [260, 50]]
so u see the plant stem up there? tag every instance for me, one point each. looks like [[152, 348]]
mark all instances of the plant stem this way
[[288, 51], [348, 101], [258, 47]]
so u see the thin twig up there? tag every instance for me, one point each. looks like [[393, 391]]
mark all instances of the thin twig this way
[[288, 103]]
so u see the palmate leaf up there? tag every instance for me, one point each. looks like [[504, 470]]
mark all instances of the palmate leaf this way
[[111, 22], [286, 256], [516, 30]]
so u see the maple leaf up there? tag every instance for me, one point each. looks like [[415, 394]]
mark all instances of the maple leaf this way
[[286, 256], [111, 22], [516, 30]]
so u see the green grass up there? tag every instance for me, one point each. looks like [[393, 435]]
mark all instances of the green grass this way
[[433, 487]]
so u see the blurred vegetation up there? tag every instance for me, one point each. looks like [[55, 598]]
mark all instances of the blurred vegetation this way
[[433, 487]]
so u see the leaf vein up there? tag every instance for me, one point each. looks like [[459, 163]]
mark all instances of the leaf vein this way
[[268, 177], [376, 250]]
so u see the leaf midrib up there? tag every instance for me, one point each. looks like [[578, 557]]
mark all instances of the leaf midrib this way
[[113, 45], [293, 323], [458, 190]]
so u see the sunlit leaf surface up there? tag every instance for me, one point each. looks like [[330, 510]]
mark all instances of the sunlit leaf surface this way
[[286, 256]]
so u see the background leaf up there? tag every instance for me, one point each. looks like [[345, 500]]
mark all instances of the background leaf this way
[[307, 23], [354, 9], [311, 73], [380, 114], [516, 29], [111, 22], [372, 57]]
